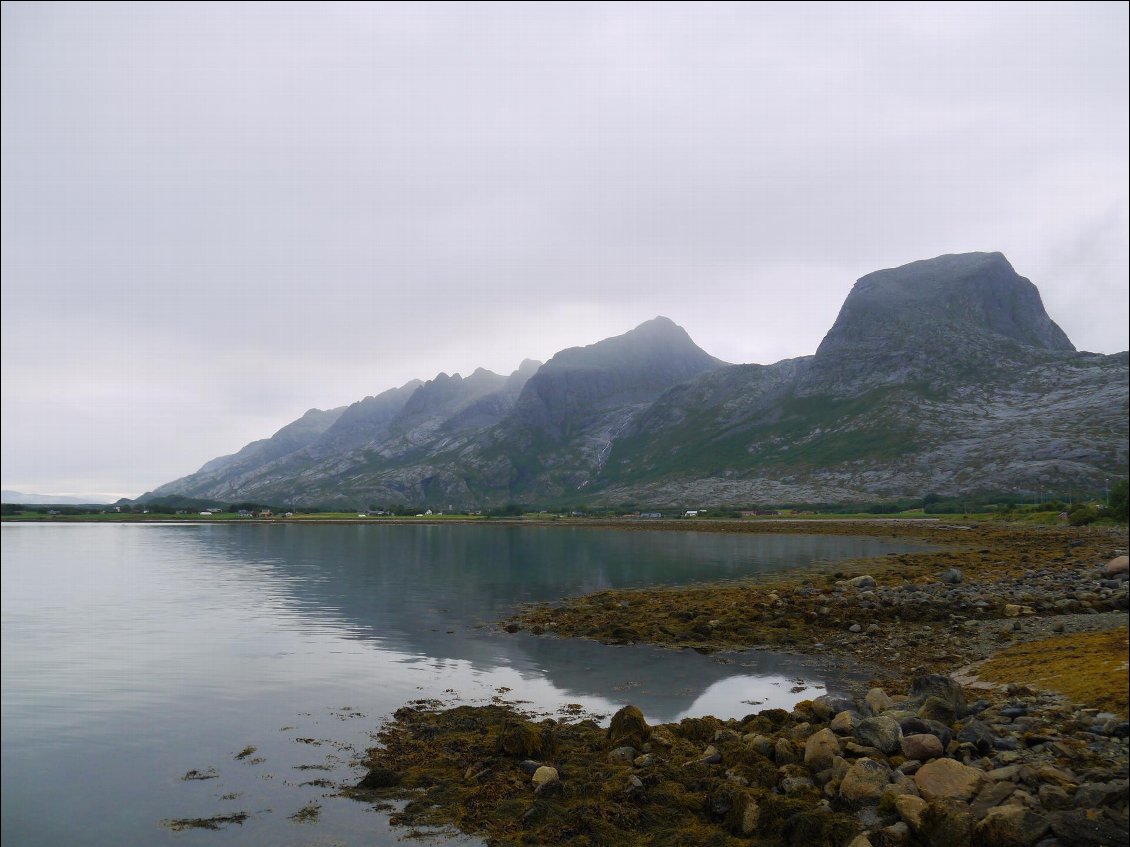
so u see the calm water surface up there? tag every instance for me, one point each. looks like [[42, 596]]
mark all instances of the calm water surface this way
[[135, 653]]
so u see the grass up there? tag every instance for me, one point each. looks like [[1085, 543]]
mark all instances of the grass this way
[[1088, 668], [802, 433]]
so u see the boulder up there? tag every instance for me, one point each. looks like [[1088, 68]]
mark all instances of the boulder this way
[[622, 755], [1078, 828], [785, 752], [935, 685], [628, 728], [544, 775], [379, 777], [978, 734], [1117, 565], [952, 576], [844, 723], [937, 710], [519, 738], [948, 779], [946, 823], [821, 749], [882, 733], [864, 782], [910, 809], [878, 701], [826, 706], [1010, 826], [922, 746], [862, 582]]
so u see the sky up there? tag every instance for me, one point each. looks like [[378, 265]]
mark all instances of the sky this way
[[217, 216]]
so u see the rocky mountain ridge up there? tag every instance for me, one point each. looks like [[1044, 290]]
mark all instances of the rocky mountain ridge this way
[[942, 376]]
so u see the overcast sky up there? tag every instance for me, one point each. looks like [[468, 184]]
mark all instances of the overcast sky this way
[[218, 216]]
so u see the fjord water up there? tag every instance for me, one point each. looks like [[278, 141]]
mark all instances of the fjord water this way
[[133, 654]]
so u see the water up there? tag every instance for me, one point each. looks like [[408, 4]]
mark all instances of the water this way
[[133, 654]]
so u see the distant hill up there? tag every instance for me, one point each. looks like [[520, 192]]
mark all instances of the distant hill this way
[[944, 376], [46, 499]]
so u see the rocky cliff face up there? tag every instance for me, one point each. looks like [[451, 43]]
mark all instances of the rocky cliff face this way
[[965, 312], [943, 376]]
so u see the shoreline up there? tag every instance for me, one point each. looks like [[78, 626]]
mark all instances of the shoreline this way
[[942, 748], [954, 743]]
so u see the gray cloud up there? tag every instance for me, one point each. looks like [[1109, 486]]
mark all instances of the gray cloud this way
[[216, 216]]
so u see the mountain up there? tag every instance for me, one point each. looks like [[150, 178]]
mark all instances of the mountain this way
[[21, 498], [942, 376], [577, 404], [963, 312]]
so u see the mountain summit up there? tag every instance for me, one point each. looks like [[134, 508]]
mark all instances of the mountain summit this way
[[953, 295], [941, 376], [963, 310]]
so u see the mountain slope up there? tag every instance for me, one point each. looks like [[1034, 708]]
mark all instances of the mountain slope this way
[[942, 375], [945, 375], [582, 399]]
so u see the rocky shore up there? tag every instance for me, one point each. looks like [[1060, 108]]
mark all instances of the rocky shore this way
[[987, 588], [921, 767], [998, 714]]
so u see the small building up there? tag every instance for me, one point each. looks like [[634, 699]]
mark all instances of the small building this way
[[690, 513]]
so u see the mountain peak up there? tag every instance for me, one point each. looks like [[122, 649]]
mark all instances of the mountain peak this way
[[946, 300]]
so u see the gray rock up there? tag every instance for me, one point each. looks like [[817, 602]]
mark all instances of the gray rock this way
[[622, 755], [942, 687], [1094, 795], [946, 779], [882, 733], [921, 747], [937, 710], [1079, 829], [978, 734], [951, 576], [1010, 826]]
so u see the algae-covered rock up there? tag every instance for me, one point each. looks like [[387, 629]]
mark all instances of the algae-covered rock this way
[[937, 709], [864, 782], [911, 809], [878, 701], [380, 777], [820, 826], [946, 823], [1010, 826], [882, 733], [519, 738], [785, 752], [628, 728], [845, 722]]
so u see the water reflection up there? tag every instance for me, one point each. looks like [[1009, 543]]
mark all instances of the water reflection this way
[[436, 591], [134, 653]]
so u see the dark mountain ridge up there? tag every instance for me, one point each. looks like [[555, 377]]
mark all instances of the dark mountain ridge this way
[[941, 376]]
